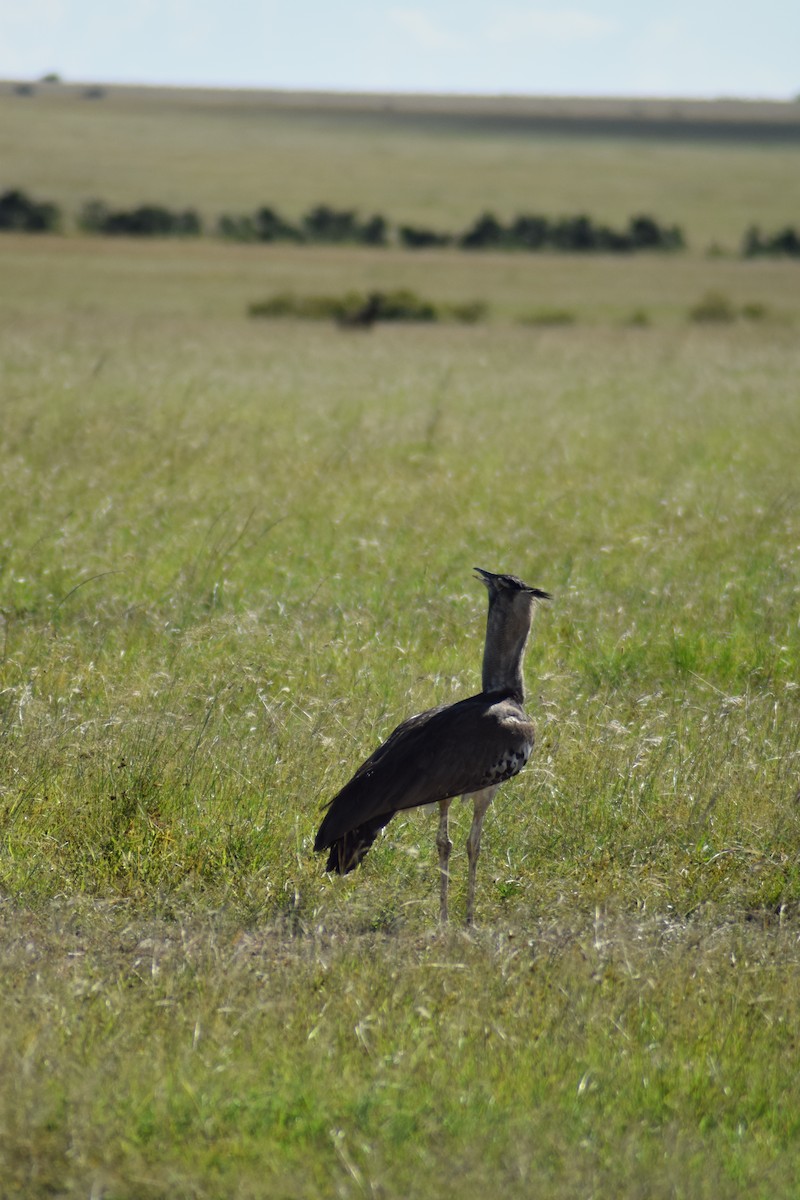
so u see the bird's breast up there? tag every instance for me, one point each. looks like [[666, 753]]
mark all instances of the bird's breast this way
[[508, 763], [509, 747]]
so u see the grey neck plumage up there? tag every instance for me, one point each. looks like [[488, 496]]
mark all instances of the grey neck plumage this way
[[507, 629]]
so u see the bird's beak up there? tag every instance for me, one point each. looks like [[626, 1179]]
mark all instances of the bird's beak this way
[[485, 576], [489, 578]]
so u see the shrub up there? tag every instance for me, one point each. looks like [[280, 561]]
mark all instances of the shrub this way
[[404, 305], [360, 309], [149, 220], [549, 316], [265, 225], [531, 232], [187, 223], [237, 229], [314, 308], [714, 306], [269, 226], [574, 235], [325, 308], [638, 319], [755, 311], [326, 224], [144, 221], [645, 233], [486, 232], [415, 238], [468, 312], [784, 242], [375, 231], [321, 224], [20, 213]]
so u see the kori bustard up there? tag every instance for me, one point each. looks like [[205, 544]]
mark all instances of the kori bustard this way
[[464, 749]]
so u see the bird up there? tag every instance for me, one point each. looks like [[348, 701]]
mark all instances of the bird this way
[[464, 749]]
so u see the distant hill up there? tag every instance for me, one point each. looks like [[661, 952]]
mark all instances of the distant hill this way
[[667, 117]]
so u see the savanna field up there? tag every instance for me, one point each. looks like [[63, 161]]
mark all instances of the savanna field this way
[[236, 552]]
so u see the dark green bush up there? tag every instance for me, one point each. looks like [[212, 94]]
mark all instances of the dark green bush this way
[[573, 235], [321, 224], [645, 233], [486, 233], [20, 213], [148, 220], [326, 224], [264, 225], [414, 237], [531, 232], [784, 242], [269, 226], [375, 231]]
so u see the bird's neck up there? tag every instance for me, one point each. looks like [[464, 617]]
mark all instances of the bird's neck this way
[[506, 636]]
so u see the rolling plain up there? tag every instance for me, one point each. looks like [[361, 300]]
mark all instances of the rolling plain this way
[[236, 552]]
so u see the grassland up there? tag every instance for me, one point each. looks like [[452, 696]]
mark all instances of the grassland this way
[[436, 164], [234, 554]]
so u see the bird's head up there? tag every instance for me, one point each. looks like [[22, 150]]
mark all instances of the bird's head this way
[[510, 589]]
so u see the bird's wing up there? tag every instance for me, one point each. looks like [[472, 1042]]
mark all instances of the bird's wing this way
[[444, 752]]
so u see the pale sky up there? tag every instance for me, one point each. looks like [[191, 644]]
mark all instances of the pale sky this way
[[703, 48]]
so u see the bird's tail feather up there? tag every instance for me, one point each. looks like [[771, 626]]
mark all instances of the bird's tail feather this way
[[348, 850]]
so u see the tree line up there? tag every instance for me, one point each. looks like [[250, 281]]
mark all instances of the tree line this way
[[487, 232], [785, 241], [332, 226]]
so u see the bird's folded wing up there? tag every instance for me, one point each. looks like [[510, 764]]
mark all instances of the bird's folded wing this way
[[438, 754]]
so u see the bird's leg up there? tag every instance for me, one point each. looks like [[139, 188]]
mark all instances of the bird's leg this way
[[481, 800], [444, 846]]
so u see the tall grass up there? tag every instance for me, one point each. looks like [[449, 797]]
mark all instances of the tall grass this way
[[234, 555]]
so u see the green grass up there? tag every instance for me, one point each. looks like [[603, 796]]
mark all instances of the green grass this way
[[212, 280], [548, 316], [621, 1057], [233, 555]]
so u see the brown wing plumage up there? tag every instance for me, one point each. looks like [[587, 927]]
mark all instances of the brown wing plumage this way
[[444, 752]]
